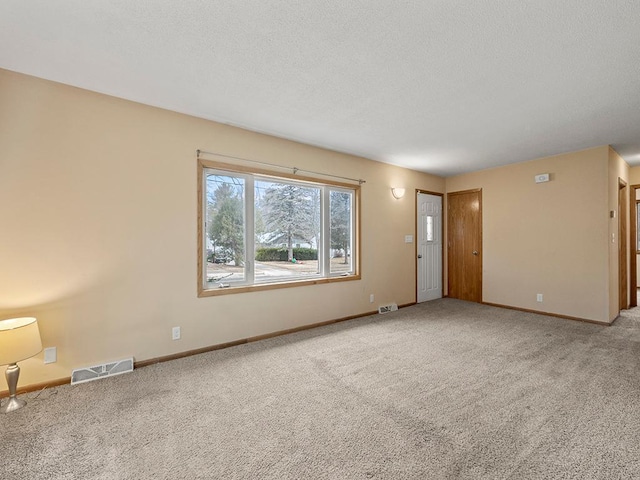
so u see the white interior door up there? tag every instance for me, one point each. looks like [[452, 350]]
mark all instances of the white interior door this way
[[429, 247]]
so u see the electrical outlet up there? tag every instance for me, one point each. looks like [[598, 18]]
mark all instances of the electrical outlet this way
[[175, 333], [50, 355], [371, 298], [539, 298]]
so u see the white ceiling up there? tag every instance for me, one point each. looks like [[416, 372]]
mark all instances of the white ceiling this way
[[442, 86]]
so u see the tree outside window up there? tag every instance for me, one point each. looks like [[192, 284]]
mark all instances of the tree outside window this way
[[267, 230]]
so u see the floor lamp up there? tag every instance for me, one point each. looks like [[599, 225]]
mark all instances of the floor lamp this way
[[19, 340]]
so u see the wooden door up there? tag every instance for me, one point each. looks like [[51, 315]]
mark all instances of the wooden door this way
[[623, 285], [632, 247], [429, 247], [464, 233]]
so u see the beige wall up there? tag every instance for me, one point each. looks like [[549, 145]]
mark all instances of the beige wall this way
[[98, 221], [634, 176], [549, 238]]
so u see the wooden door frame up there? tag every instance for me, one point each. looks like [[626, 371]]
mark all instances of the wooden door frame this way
[[633, 246], [415, 253], [623, 261], [480, 212]]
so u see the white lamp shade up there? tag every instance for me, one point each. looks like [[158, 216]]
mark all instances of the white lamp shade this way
[[19, 339]]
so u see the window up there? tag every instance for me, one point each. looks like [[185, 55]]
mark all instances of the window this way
[[429, 228], [259, 231]]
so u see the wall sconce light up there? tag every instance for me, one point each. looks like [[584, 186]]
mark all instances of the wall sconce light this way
[[19, 340], [397, 192]]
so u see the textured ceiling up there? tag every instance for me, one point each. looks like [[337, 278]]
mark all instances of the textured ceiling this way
[[442, 86]]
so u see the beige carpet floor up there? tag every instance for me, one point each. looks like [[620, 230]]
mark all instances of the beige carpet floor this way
[[442, 390]]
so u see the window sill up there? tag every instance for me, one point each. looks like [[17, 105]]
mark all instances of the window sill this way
[[213, 292]]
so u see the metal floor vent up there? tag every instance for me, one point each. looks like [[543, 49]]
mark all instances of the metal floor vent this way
[[391, 307], [81, 375]]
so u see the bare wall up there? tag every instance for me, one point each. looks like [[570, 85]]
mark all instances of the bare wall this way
[[549, 238], [98, 217]]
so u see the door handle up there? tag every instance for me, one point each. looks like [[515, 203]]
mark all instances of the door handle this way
[[475, 252], [419, 256]]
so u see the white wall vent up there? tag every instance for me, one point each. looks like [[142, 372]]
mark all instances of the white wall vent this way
[[81, 375], [390, 307]]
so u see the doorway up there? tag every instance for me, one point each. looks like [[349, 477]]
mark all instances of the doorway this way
[[623, 285], [429, 246], [464, 234], [634, 244]]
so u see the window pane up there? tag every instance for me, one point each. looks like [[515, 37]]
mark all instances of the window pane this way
[[287, 230], [259, 230], [341, 207], [225, 229], [429, 228]]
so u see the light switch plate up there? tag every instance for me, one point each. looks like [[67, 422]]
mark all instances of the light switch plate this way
[[408, 239]]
